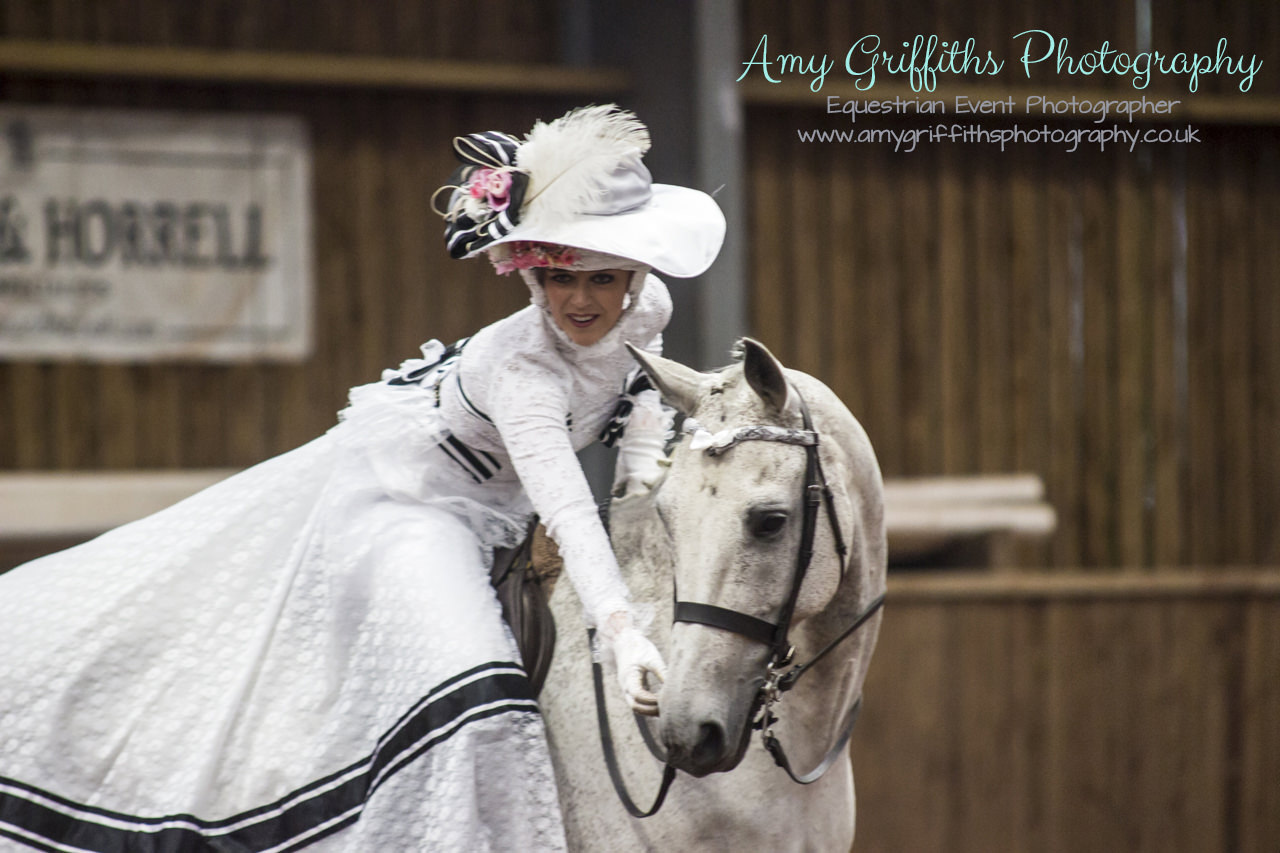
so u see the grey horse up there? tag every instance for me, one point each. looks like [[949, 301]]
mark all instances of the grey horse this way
[[724, 529]]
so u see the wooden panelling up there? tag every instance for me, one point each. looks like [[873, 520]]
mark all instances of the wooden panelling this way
[[502, 30], [1103, 318], [1074, 712], [814, 26], [383, 285], [383, 281], [1109, 320], [1259, 804], [201, 65]]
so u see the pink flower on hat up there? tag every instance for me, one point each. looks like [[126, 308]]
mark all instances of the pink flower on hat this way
[[492, 186], [498, 183]]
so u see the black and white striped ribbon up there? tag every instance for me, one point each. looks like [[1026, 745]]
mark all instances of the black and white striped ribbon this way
[[464, 234], [616, 427]]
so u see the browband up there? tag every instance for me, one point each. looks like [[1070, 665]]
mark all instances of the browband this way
[[716, 443]]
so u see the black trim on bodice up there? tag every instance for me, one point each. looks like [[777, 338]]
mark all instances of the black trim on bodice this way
[[616, 426]]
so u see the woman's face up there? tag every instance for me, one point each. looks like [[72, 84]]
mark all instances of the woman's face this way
[[586, 304]]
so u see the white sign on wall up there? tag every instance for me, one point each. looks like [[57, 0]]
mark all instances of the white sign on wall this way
[[135, 236]]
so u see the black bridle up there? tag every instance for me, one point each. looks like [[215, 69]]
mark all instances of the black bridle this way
[[780, 676]]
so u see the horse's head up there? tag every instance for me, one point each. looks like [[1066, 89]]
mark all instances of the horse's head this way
[[734, 522]]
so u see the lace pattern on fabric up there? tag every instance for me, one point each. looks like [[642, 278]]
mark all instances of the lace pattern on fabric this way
[[532, 399]]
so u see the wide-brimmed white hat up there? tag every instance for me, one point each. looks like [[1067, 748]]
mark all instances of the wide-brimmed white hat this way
[[577, 182]]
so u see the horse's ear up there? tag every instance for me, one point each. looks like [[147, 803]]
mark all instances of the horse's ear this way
[[679, 385], [764, 374]]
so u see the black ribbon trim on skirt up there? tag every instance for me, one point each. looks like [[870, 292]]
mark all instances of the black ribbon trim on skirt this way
[[38, 818]]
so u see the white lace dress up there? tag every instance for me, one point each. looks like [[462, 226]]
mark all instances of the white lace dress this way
[[309, 653]]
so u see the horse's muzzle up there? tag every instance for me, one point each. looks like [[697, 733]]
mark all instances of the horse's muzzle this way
[[701, 747]]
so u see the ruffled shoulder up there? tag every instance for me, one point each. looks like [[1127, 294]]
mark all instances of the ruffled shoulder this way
[[400, 415], [384, 415]]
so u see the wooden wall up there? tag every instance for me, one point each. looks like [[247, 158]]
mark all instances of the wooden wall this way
[[1073, 712], [507, 30], [383, 281], [1109, 320]]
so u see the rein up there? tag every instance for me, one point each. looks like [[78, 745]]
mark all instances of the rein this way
[[778, 678]]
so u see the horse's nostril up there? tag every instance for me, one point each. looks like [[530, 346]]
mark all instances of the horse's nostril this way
[[710, 748]]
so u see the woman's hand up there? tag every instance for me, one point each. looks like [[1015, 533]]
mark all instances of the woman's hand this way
[[636, 658]]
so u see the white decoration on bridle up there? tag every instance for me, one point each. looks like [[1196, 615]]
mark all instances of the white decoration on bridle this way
[[713, 444]]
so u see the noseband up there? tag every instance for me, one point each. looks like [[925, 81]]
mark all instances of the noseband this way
[[778, 678]]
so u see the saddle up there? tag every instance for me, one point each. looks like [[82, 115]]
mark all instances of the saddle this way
[[523, 578]]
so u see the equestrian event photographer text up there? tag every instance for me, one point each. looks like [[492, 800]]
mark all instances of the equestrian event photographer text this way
[[924, 58]]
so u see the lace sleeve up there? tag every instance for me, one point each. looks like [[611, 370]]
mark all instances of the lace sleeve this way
[[528, 405]]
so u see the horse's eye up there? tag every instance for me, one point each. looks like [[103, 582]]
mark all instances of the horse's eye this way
[[766, 523]]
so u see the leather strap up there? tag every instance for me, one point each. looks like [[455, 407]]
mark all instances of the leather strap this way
[[646, 734], [793, 675], [775, 635], [730, 620], [813, 485], [789, 680], [842, 743], [611, 758]]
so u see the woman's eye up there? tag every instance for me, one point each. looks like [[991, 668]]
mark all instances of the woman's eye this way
[[603, 278]]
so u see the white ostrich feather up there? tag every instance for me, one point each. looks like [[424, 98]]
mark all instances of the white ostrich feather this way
[[569, 160]]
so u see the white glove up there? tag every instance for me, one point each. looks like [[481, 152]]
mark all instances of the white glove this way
[[640, 478], [637, 657]]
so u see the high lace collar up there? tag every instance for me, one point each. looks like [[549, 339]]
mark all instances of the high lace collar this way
[[576, 353]]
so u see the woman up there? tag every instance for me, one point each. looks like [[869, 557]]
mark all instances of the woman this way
[[309, 654]]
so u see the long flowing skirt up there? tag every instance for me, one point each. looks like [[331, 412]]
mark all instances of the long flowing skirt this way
[[288, 659]]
